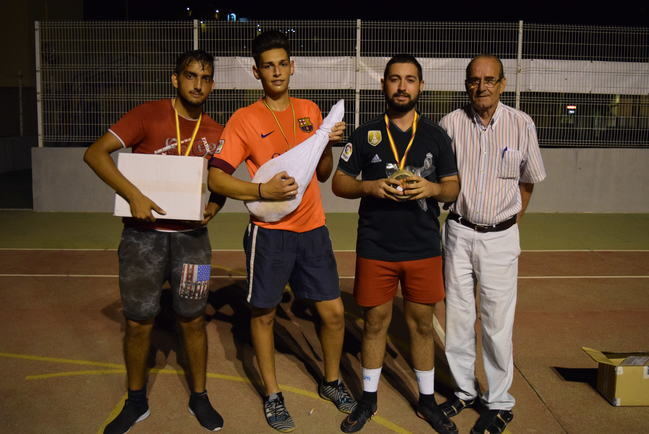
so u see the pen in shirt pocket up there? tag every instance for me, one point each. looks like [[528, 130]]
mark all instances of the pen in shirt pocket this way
[[504, 150]]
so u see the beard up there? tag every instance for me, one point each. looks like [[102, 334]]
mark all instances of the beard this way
[[188, 103], [401, 108]]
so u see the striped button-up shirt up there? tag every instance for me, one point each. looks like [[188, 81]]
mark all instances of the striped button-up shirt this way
[[492, 160]]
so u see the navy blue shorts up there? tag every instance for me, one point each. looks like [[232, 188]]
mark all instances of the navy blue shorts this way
[[304, 260]]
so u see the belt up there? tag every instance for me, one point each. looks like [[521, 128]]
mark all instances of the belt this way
[[483, 228]]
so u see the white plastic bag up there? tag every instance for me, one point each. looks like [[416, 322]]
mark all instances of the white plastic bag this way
[[299, 162]]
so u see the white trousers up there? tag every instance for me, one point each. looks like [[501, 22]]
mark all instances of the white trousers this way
[[491, 261]]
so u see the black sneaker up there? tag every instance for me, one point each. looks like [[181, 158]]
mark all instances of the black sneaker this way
[[277, 415], [454, 406], [339, 395], [359, 417], [432, 414], [492, 422], [208, 417], [131, 414]]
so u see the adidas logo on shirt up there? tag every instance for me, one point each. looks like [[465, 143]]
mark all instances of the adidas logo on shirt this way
[[376, 159]]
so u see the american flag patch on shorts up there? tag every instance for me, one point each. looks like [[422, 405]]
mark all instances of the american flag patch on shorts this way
[[194, 281]]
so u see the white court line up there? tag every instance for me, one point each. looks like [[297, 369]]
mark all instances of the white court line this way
[[110, 276], [228, 276], [30, 249], [585, 250], [584, 277]]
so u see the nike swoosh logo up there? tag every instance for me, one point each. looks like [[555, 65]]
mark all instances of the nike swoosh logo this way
[[263, 136]]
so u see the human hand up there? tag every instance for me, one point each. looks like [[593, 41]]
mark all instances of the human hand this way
[[210, 211], [382, 189], [279, 187], [337, 132], [141, 207], [416, 187]]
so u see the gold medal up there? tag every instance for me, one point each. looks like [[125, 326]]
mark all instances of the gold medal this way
[[178, 141], [401, 161], [402, 174], [399, 177], [281, 130]]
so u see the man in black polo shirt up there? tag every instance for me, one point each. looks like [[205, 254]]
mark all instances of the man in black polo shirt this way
[[407, 165]]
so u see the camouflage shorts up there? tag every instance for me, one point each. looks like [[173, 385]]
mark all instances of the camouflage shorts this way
[[148, 258]]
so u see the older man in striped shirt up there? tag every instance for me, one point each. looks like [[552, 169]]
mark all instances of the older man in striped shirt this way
[[499, 161]]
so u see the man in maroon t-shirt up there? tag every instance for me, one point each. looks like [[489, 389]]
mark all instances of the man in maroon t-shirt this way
[[154, 251]]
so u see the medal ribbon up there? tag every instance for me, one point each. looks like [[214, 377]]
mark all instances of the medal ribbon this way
[[191, 142], [402, 162], [281, 130]]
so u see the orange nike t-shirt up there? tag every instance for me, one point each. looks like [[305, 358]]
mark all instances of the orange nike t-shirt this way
[[253, 135]]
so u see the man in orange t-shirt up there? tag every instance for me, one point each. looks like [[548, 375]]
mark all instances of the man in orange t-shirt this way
[[296, 249]]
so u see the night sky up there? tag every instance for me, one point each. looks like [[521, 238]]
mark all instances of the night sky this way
[[624, 13]]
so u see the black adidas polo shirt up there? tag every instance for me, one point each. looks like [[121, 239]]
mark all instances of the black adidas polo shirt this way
[[389, 230]]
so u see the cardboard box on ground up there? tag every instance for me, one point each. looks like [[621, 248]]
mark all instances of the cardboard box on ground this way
[[622, 378], [177, 184]]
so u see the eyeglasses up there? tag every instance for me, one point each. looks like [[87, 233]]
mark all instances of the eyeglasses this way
[[487, 82]]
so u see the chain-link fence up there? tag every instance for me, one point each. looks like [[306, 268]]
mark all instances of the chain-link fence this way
[[583, 85]]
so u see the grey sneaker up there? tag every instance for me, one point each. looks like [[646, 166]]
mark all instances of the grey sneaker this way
[[339, 395], [277, 415]]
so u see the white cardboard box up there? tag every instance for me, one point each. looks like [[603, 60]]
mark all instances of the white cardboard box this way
[[177, 184]]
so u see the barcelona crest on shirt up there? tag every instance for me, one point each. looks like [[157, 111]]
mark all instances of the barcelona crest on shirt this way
[[305, 124], [374, 137]]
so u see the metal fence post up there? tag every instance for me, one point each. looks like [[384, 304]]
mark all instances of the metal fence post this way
[[357, 84], [519, 64], [195, 34], [39, 86]]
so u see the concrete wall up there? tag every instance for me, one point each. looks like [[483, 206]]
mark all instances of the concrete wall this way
[[579, 180], [15, 153], [594, 180]]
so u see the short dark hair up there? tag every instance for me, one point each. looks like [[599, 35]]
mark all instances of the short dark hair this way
[[486, 56], [269, 40], [188, 57], [403, 58]]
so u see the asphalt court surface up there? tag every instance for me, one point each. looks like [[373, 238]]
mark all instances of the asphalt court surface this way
[[60, 348]]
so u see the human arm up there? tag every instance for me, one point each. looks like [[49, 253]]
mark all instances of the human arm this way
[[446, 190], [210, 211], [97, 156], [279, 187], [347, 186], [326, 163], [526, 189]]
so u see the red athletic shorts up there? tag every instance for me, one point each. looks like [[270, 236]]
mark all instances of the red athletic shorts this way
[[376, 281]]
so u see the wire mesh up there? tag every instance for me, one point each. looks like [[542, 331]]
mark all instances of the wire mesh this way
[[583, 85], [93, 72], [587, 86]]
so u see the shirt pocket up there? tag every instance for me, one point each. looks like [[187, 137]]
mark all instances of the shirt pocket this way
[[510, 164]]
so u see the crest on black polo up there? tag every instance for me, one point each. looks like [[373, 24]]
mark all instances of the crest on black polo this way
[[374, 137]]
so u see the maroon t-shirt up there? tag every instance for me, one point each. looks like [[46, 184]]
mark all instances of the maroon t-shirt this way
[[150, 128]]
